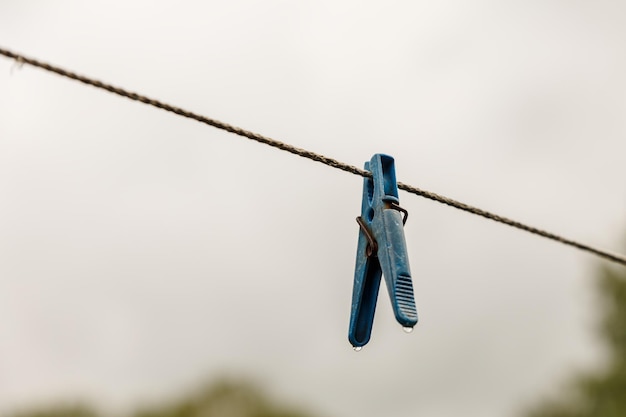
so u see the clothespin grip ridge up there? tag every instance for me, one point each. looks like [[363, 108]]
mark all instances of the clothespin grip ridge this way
[[381, 251]]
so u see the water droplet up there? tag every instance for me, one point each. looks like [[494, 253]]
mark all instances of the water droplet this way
[[407, 329], [357, 348]]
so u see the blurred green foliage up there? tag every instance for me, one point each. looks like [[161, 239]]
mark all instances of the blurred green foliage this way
[[222, 399], [62, 410], [601, 393]]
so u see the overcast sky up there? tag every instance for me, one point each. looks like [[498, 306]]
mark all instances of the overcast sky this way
[[142, 253]]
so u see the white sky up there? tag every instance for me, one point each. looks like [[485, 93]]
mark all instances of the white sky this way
[[141, 253]]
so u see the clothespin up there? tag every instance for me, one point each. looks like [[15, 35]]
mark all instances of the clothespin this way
[[381, 250]]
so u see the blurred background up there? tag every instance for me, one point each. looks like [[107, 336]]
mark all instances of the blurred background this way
[[150, 264]]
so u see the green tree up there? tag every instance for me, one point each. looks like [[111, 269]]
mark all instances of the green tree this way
[[222, 399], [600, 393], [61, 410]]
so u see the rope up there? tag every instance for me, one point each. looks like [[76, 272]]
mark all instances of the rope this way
[[21, 59]]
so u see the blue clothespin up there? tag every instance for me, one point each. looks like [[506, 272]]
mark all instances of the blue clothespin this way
[[381, 250]]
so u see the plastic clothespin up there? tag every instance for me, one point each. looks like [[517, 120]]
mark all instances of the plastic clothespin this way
[[381, 250]]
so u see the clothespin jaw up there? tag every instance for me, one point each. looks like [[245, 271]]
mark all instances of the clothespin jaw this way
[[381, 250]]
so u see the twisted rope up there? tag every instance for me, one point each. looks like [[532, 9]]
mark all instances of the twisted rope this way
[[21, 59]]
